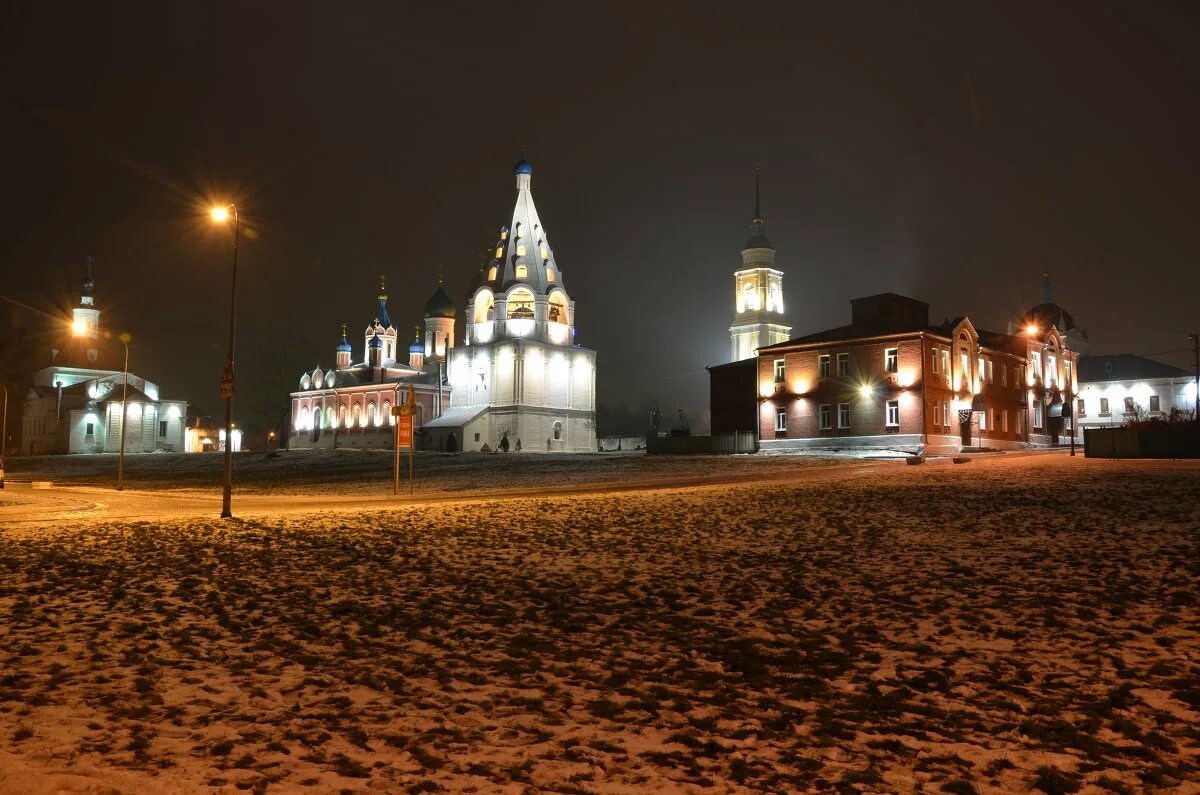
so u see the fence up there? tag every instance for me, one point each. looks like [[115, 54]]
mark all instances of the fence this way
[[1179, 441], [717, 444]]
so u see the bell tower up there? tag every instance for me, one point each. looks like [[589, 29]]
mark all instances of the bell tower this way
[[757, 292]]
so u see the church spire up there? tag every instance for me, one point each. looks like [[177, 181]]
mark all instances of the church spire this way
[[1046, 291], [758, 230], [758, 219]]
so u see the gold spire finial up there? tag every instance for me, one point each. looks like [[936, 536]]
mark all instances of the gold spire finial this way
[[343, 330], [416, 333], [441, 279], [382, 288]]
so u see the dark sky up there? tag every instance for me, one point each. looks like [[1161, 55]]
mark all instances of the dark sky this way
[[945, 152]]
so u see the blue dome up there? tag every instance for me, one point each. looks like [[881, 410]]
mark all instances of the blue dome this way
[[416, 347], [523, 167], [375, 343], [344, 346]]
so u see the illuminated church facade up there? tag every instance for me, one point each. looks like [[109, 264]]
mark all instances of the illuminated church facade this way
[[518, 379], [74, 405]]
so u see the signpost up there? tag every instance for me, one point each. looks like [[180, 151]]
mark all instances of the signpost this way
[[404, 438]]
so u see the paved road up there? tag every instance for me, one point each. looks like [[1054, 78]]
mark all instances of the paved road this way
[[22, 505]]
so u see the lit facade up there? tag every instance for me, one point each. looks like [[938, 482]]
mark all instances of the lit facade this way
[[1122, 387], [891, 380], [350, 404], [74, 405], [758, 293], [519, 373]]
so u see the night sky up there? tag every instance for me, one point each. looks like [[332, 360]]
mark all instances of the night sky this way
[[945, 153]]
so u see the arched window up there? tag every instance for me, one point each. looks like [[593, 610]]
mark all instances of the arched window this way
[[492, 274], [522, 272], [520, 249], [358, 418], [558, 429], [520, 304], [371, 418], [387, 417], [483, 307], [557, 312], [345, 416], [550, 274], [330, 417]]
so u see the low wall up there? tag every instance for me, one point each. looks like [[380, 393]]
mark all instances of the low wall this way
[[611, 444], [890, 441], [1166, 442], [717, 444]]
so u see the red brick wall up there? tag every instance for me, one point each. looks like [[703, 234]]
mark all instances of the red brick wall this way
[[804, 393]]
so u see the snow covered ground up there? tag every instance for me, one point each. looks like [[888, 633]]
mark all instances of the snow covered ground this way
[[1007, 625], [367, 471]]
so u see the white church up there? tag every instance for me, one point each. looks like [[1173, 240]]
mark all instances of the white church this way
[[758, 293], [517, 380], [74, 405]]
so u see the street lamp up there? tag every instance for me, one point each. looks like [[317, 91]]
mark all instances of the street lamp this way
[[4, 435], [221, 215], [79, 329]]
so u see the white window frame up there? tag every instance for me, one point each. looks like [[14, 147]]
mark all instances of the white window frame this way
[[891, 413], [891, 360], [823, 365], [781, 419], [983, 420], [1104, 408], [1005, 421], [946, 414], [1080, 407], [824, 417], [1154, 403], [946, 363], [1037, 415], [937, 413], [843, 364], [1003, 375], [843, 409], [780, 371]]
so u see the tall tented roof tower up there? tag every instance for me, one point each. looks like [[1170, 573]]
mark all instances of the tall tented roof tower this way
[[519, 378], [524, 243], [758, 291]]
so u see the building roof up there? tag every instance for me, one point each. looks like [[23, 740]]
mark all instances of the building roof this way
[[525, 233], [749, 364], [439, 304], [1126, 367], [1048, 314], [455, 417]]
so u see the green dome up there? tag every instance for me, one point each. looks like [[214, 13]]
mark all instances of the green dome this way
[[440, 305]]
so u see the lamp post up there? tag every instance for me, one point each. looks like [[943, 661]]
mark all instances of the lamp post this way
[[4, 436], [221, 215], [79, 329]]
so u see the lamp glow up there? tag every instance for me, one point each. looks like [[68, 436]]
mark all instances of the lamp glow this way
[[1031, 329], [78, 328], [865, 390], [219, 214]]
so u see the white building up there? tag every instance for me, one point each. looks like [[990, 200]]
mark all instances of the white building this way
[[758, 293], [519, 374], [74, 405], [350, 404], [1123, 387]]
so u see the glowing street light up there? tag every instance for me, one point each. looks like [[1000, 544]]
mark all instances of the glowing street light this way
[[80, 329], [221, 215], [865, 390], [1031, 329]]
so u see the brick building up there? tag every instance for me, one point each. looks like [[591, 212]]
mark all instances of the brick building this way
[[889, 379]]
